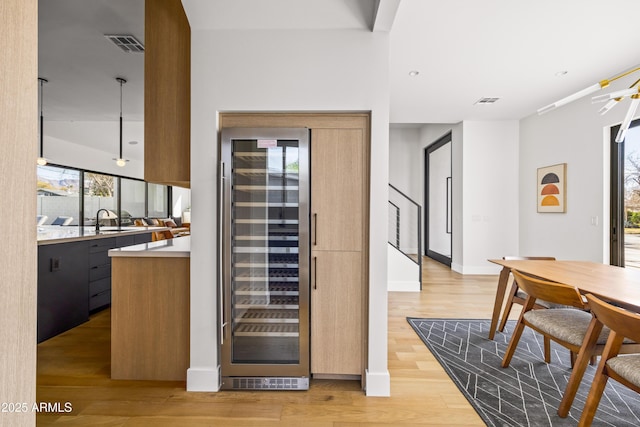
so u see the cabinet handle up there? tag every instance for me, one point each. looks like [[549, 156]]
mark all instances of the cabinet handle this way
[[315, 229], [315, 272]]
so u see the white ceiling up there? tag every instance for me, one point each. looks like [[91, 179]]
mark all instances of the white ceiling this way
[[463, 49]]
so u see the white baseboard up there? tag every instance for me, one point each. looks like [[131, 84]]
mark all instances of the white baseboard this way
[[406, 286], [200, 379], [476, 269], [378, 384]]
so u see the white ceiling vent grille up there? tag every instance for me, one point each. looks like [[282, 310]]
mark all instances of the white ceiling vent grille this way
[[126, 42], [486, 100]]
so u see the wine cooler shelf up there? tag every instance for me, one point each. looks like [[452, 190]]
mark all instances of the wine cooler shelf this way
[[266, 330], [273, 289], [267, 316], [270, 303]]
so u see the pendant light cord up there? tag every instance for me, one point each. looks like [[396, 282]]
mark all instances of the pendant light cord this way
[[42, 82], [122, 81]]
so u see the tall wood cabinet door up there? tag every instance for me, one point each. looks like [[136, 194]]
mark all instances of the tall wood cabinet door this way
[[337, 189], [336, 313]]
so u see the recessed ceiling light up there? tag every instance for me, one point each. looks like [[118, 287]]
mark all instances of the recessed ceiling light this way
[[414, 73], [561, 73]]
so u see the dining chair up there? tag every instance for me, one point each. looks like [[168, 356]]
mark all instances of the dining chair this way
[[624, 369], [517, 295], [572, 326], [566, 326]]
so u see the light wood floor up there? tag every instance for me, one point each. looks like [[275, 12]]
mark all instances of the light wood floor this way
[[74, 367]]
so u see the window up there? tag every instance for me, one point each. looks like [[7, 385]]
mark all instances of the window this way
[[100, 192], [77, 195], [157, 201], [132, 200], [58, 194]]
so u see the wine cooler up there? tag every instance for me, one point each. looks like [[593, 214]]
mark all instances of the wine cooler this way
[[264, 211]]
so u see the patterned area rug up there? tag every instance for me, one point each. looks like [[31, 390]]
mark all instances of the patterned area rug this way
[[528, 392]]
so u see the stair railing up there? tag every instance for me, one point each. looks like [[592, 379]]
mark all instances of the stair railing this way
[[405, 226]]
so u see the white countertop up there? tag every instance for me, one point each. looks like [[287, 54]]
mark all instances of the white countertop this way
[[50, 234], [179, 247]]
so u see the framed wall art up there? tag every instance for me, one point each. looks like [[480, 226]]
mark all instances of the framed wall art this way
[[552, 188]]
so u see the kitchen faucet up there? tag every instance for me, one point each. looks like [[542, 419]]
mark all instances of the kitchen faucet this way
[[98, 219]]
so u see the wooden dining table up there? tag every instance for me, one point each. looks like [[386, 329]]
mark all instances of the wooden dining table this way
[[609, 282]]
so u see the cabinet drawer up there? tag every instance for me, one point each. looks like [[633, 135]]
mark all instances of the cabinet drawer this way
[[122, 241], [99, 272], [100, 245], [142, 238], [100, 299], [98, 286], [99, 258]]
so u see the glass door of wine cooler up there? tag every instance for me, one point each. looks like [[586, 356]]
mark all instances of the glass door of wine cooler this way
[[266, 256]]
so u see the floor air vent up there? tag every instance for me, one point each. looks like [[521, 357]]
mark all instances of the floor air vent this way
[[265, 383]]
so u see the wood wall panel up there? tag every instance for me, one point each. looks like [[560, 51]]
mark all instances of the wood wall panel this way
[[19, 137], [167, 93]]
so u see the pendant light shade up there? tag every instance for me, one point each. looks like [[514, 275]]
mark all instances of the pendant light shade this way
[[121, 161], [41, 159]]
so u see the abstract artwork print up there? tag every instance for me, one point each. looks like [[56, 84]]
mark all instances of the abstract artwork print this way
[[552, 188]]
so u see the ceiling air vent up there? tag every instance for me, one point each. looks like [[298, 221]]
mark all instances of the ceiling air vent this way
[[486, 100], [126, 42]]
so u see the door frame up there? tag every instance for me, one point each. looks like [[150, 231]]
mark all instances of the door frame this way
[[443, 140], [616, 204]]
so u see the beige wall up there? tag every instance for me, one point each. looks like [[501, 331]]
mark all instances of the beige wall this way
[[19, 136]]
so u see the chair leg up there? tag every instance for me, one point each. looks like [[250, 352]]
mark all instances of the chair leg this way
[[547, 349], [515, 337], [508, 306], [595, 394], [584, 356]]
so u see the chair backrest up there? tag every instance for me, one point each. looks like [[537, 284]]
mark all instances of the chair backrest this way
[[62, 220], [621, 321], [558, 293]]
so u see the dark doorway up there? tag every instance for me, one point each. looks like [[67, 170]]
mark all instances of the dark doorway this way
[[437, 200]]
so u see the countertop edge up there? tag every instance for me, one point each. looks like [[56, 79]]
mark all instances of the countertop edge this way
[[127, 232], [179, 247]]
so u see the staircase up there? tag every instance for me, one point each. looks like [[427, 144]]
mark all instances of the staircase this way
[[405, 245]]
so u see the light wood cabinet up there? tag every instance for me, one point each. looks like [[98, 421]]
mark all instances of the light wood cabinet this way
[[337, 313], [336, 189], [167, 93], [338, 192]]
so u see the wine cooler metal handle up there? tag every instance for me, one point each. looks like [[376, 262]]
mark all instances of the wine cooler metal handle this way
[[315, 272], [315, 229], [222, 268]]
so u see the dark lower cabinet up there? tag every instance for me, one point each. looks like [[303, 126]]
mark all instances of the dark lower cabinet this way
[[63, 294], [74, 279]]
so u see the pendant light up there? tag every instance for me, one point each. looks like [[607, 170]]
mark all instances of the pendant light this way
[[121, 161], [41, 160], [613, 98]]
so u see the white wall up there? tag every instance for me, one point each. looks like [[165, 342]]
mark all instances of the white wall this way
[[577, 135], [403, 146], [490, 194], [64, 144], [283, 71]]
